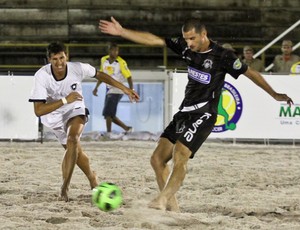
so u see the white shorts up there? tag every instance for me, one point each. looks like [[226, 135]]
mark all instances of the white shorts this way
[[57, 122]]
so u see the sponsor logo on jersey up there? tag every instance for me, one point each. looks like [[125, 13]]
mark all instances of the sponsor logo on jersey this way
[[109, 70], [237, 64], [189, 134], [199, 76], [230, 109], [175, 40]]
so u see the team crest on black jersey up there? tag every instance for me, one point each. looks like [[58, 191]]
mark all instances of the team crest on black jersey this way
[[175, 40], [74, 86], [207, 64], [237, 64]]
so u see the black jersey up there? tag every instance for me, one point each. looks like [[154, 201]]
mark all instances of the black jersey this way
[[206, 71]]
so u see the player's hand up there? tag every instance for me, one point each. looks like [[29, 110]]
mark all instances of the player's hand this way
[[132, 95], [284, 97], [95, 92], [112, 27], [74, 96]]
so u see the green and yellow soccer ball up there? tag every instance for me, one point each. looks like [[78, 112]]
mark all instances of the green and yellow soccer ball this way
[[107, 196]]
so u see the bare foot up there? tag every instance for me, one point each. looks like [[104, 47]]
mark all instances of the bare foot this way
[[64, 195], [158, 203], [172, 205], [173, 208], [94, 180]]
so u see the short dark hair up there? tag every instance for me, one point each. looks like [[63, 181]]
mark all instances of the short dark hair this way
[[111, 46], [192, 23], [55, 47]]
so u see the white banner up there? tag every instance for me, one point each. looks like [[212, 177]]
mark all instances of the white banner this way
[[250, 111]]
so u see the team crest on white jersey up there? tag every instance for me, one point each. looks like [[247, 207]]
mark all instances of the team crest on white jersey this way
[[74, 86], [207, 64]]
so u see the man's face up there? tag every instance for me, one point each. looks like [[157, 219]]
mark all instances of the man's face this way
[[194, 40], [286, 48], [58, 61], [248, 54], [114, 52]]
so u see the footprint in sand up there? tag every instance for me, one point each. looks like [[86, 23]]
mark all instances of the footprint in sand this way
[[56, 220]]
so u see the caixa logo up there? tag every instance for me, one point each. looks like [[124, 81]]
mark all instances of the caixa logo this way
[[189, 134], [229, 109]]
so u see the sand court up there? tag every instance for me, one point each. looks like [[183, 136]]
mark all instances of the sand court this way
[[228, 186]]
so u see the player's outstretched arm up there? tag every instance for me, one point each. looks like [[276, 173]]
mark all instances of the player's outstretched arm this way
[[256, 77], [113, 27], [103, 77]]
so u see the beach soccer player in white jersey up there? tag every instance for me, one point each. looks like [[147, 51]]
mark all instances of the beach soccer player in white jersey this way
[[207, 64], [58, 101]]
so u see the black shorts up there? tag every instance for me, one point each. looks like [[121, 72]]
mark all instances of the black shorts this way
[[111, 104], [190, 128]]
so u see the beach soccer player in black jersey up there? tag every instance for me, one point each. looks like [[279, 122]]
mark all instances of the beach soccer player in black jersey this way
[[207, 64]]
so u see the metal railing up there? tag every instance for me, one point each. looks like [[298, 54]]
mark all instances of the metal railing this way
[[71, 52], [162, 53], [277, 39]]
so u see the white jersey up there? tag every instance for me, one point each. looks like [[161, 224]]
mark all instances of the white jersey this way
[[47, 89]]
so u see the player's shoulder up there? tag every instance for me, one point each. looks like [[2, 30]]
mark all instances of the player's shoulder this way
[[175, 41], [278, 57], [46, 69], [120, 59], [218, 48], [104, 58], [74, 66], [77, 65], [257, 60], [295, 57]]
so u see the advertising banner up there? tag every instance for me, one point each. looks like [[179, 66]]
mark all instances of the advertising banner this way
[[247, 111]]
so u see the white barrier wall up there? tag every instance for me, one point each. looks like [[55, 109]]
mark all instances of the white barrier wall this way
[[251, 112], [17, 119]]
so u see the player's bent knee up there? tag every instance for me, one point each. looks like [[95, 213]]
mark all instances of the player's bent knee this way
[[154, 161], [73, 139], [181, 152]]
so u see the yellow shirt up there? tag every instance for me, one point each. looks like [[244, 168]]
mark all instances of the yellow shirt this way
[[117, 70]]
